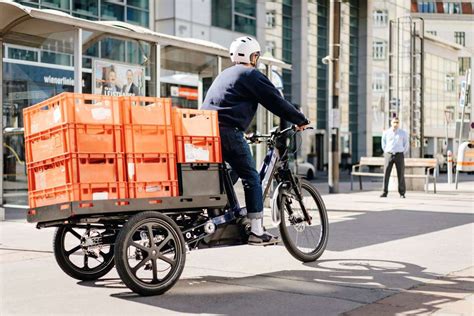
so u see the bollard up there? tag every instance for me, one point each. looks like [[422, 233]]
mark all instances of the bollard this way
[[450, 166]]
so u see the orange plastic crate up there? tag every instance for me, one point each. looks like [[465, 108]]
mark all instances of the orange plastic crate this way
[[72, 108], [74, 138], [151, 167], [146, 110], [148, 139], [198, 149], [189, 122], [74, 169], [78, 192], [151, 189]]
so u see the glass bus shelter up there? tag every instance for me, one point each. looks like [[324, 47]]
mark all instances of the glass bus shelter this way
[[46, 52]]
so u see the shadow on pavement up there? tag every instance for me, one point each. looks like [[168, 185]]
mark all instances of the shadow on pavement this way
[[329, 287], [373, 228], [376, 227]]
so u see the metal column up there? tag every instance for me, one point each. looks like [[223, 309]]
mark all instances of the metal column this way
[[333, 99], [2, 210], [78, 61]]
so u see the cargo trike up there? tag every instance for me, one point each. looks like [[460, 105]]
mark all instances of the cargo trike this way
[[147, 239]]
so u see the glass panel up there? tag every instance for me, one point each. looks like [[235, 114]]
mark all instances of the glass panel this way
[[86, 7], [247, 7], [56, 58], [22, 54], [112, 48], [56, 4], [112, 12], [245, 25], [26, 84], [138, 17], [222, 13], [143, 4], [182, 71]]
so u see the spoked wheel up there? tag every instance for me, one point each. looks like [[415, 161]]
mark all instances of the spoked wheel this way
[[84, 252], [150, 253], [306, 242]]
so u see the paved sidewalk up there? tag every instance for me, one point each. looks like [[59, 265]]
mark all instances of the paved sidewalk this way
[[384, 257]]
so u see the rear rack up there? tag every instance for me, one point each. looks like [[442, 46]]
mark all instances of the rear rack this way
[[64, 211]]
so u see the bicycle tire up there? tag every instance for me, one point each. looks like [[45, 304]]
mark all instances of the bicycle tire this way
[[286, 233]]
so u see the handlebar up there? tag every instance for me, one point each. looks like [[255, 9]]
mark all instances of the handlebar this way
[[256, 138]]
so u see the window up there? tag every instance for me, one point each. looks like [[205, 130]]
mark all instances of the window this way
[[464, 65], [460, 38], [287, 31], [114, 12], [426, 7], [379, 50], [22, 54], [138, 17], [56, 4], [378, 82], [235, 15], [432, 33], [270, 47], [449, 83], [452, 8], [271, 20], [380, 17]]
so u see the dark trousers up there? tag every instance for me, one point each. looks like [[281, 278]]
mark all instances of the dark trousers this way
[[399, 160], [236, 152]]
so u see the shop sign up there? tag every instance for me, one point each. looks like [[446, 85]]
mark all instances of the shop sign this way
[[184, 92]]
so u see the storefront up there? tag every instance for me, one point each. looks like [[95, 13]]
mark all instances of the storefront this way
[[46, 52]]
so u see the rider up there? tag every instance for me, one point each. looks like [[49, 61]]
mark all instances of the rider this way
[[235, 94]]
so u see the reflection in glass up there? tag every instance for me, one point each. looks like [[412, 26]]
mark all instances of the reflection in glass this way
[[143, 4], [112, 48], [112, 12], [245, 25], [222, 13], [247, 7], [86, 7], [139, 17], [56, 4]]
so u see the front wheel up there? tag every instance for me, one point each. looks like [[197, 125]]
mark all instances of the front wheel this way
[[306, 242]]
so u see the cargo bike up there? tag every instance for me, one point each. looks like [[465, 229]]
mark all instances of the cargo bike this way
[[147, 239]]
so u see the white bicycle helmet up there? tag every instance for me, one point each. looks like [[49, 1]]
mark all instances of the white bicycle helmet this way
[[241, 49]]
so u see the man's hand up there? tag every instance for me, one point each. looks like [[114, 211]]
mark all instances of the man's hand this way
[[303, 127]]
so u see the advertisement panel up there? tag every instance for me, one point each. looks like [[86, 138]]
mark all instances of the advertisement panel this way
[[113, 78]]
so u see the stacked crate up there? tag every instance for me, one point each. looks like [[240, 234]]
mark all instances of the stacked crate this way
[[149, 147], [197, 136], [74, 149], [82, 147]]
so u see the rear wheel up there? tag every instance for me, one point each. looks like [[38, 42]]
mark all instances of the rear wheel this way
[[150, 253], [82, 252], [305, 241]]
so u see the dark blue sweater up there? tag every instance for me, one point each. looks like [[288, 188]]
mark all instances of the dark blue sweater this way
[[236, 92]]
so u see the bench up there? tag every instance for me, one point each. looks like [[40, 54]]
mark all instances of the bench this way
[[429, 164]]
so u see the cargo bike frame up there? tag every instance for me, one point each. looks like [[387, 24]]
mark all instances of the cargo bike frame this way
[[147, 239]]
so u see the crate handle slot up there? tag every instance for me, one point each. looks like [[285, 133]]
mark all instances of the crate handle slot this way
[[155, 201], [186, 200], [122, 203], [86, 205]]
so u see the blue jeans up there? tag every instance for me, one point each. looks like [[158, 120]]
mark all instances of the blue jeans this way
[[236, 152]]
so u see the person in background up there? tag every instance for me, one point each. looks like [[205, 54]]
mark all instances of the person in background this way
[[394, 145], [130, 88]]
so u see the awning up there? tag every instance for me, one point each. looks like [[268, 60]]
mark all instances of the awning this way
[[15, 18]]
